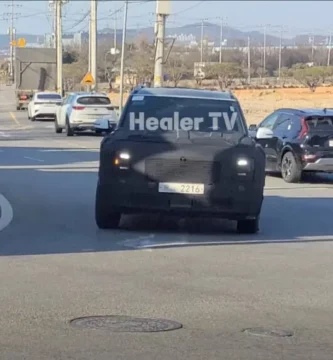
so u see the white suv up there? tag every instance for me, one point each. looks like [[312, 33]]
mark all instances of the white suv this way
[[79, 111]]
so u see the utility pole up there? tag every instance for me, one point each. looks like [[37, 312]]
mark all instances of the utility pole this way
[[58, 10], [248, 61], [93, 41], [264, 72], [115, 32], [12, 38], [312, 48], [202, 36], [221, 39], [162, 11], [329, 50], [54, 36], [123, 57], [280, 54]]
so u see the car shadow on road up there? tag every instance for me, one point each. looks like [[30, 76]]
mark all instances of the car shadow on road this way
[[53, 205]]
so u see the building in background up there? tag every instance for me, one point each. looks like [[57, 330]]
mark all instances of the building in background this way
[[68, 40]]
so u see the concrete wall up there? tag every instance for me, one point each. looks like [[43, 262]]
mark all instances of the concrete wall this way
[[28, 65]]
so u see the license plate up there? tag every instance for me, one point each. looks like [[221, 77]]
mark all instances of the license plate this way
[[330, 143], [180, 188]]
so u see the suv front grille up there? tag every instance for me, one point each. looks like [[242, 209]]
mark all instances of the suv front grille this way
[[190, 171]]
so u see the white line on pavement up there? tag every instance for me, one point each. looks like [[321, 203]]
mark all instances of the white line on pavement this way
[[6, 212], [145, 245], [34, 159], [4, 135]]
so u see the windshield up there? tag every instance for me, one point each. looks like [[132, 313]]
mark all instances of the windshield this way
[[153, 114], [49, 97], [94, 100]]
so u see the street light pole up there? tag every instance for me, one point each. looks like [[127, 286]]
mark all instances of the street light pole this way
[[58, 5], [248, 61], [329, 50], [280, 54], [93, 41], [123, 57], [221, 39]]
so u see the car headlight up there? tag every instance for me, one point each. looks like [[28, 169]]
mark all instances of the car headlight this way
[[243, 162], [124, 156], [244, 166]]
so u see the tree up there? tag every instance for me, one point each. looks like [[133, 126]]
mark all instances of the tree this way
[[224, 73], [177, 68], [312, 77], [142, 62]]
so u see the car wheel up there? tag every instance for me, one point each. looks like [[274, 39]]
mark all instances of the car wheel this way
[[33, 118], [248, 226], [105, 217], [18, 108], [58, 130], [69, 130], [290, 170]]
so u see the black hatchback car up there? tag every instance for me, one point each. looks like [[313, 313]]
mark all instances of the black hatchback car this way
[[181, 151], [296, 141]]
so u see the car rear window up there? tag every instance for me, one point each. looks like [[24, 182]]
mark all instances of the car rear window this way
[[227, 114], [48, 97], [320, 122], [94, 100]]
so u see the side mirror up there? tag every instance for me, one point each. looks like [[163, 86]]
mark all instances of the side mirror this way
[[253, 127], [264, 133]]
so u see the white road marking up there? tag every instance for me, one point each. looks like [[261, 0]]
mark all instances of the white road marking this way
[[34, 159], [4, 135], [70, 150], [308, 187], [6, 212], [139, 244]]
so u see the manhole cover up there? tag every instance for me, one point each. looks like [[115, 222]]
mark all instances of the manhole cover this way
[[269, 332], [125, 324]]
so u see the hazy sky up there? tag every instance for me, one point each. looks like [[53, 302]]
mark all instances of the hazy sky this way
[[297, 16]]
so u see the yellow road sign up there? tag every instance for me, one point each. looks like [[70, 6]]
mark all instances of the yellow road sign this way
[[88, 79], [21, 42]]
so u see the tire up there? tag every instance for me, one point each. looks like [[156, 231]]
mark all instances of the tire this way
[[58, 130], [250, 226], [33, 118], [69, 130], [291, 171], [18, 108], [105, 217]]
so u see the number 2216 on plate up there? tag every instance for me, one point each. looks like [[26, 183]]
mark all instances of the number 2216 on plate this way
[[180, 188]]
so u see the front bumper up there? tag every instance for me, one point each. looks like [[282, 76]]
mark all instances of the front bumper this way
[[321, 165], [237, 201]]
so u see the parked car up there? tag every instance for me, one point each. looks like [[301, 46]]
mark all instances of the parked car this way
[[43, 105], [185, 152], [296, 141], [79, 111]]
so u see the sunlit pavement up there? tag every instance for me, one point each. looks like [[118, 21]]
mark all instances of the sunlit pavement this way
[[56, 265]]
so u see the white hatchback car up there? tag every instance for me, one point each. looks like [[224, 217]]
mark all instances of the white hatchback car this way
[[43, 105], [79, 112]]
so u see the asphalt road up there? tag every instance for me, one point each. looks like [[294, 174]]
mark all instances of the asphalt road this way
[[56, 265]]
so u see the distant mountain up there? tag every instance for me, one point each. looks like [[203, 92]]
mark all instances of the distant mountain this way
[[187, 33]]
